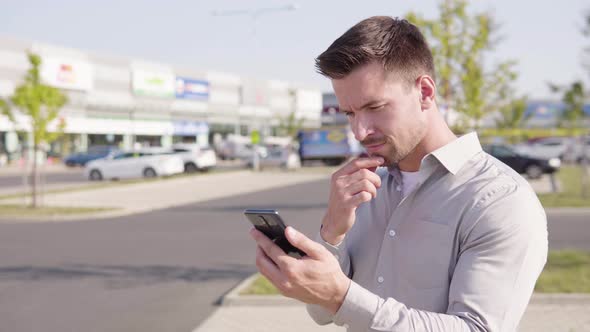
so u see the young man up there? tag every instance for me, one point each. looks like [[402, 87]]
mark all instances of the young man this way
[[446, 238]]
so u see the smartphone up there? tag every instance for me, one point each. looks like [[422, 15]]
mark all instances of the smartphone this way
[[270, 223]]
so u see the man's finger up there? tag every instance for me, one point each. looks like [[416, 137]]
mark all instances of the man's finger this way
[[267, 267], [300, 241], [364, 185], [361, 175], [274, 252], [360, 163]]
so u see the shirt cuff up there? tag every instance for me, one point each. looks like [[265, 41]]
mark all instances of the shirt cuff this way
[[358, 309], [334, 249]]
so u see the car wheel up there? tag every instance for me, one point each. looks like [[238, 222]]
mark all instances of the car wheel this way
[[190, 168], [534, 171], [95, 175], [149, 173]]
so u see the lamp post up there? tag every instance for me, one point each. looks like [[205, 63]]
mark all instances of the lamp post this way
[[255, 14]]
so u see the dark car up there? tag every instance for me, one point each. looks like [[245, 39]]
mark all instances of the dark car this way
[[93, 153], [533, 167]]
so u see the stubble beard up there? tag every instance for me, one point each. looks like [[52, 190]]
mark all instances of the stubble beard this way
[[396, 152]]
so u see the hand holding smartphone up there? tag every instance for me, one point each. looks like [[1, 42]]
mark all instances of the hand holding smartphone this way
[[270, 223]]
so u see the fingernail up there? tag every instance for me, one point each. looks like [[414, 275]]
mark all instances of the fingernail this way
[[381, 160]]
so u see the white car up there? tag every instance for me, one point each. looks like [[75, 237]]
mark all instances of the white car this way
[[281, 157], [195, 157], [134, 164], [549, 147]]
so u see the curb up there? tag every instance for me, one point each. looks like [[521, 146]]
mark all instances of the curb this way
[[233, 298], [560, 299], [568, 210]]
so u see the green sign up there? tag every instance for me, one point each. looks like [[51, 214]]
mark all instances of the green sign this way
[[255, 137]]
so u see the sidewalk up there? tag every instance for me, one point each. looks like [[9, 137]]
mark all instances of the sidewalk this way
[[14, 169], [162, 194], [545, 313]]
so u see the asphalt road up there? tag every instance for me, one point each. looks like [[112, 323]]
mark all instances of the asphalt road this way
[[161, 271]]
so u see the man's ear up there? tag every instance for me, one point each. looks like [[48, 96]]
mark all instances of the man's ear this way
[[426, 91]]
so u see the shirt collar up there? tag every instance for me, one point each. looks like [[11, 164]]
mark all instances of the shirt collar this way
[[452, 156], [458, 152]]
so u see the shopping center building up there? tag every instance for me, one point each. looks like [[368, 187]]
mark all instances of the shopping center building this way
[[124, 101]]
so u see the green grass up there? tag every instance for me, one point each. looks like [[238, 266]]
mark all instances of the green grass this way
[[570, 196], [260, 286], [566, 271], [21, 211]]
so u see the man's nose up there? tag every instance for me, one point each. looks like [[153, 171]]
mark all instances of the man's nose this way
[[362, 128]]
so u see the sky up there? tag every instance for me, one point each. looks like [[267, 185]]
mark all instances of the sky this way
[[543, 36]]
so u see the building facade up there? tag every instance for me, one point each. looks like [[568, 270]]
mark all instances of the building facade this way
[[128, 102]]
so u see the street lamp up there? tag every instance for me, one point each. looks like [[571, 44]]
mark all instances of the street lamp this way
[[254, 14]]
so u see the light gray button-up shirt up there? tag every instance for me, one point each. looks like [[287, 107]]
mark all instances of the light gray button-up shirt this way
[[461, 252]]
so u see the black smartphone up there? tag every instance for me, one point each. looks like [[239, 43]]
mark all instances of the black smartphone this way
[[270, 223]]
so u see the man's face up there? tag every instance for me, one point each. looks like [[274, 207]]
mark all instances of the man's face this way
[[385, 115]]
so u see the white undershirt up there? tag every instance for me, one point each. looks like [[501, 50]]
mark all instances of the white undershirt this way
[[409, 181]]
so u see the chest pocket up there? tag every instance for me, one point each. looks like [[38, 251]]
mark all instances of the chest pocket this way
[[426, 248]]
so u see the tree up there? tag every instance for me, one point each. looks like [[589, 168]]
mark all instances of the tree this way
[[573, 99], [289, 125], [459, 43], [511, 109], [41, 103], [573, 96]]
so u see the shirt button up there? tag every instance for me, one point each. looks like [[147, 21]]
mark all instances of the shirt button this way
[[398, 188], [380, 280], [391, 233]]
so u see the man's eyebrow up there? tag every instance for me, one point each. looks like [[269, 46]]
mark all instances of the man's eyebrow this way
[[366, 105]]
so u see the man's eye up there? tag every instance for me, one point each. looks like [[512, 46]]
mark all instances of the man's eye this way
[[348, 114], [376, 108]]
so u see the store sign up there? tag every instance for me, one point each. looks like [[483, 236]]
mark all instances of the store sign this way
[[190, 128], [67, 74], [153, 84], [187, 88]]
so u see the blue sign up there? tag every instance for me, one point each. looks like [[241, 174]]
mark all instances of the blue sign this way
[[190, 128], [325, 143], [187, 88]]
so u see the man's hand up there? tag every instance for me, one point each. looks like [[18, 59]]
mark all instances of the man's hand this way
[[352, 185], [315, 278]]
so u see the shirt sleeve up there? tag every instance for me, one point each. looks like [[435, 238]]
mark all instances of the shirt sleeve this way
[[503, 248], [319, 314]]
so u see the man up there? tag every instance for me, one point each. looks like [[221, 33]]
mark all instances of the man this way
[[446, 238]]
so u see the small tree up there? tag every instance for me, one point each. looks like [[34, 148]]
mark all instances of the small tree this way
[[459, 43], [41, 103], [290, 125]]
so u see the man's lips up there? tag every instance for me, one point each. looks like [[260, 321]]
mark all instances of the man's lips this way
[[374, 147]]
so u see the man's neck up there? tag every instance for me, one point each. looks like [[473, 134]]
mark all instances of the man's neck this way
[[437, 136]]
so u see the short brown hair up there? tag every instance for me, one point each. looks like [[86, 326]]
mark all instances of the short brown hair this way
[[396, 43]]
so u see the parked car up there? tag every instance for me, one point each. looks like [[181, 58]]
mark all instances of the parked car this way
[[550, 147], [195, 157], [93, 153], [135, 164], [582, 149], [281, 157], [533, 167]]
